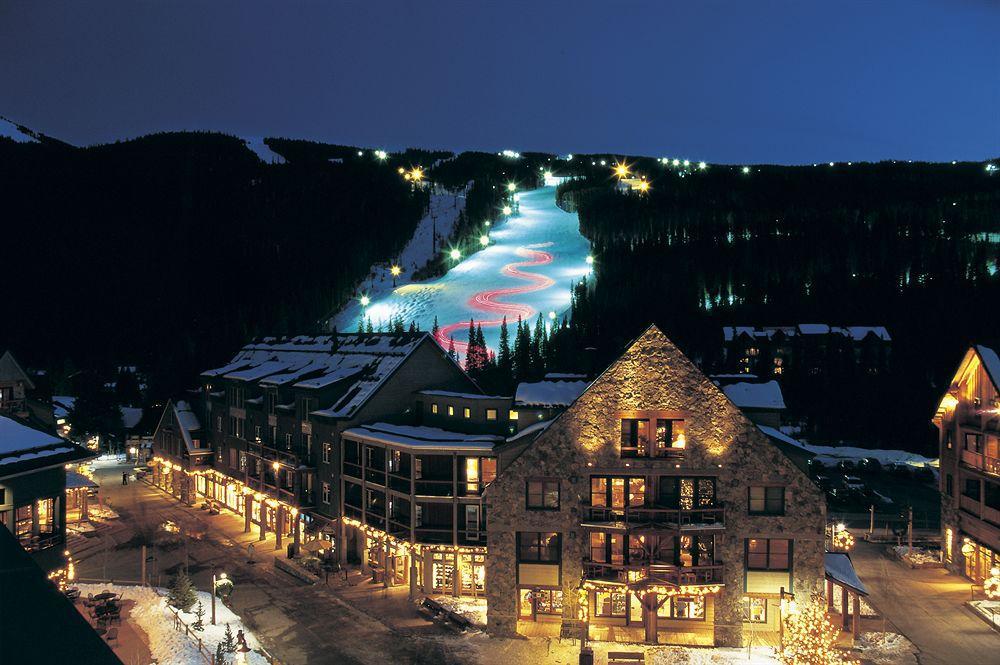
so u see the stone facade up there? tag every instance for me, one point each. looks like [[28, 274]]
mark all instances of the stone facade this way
[[652, 375]]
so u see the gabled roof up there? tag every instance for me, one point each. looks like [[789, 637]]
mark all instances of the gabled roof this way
[[23, 449], [856, 333], [990, 362], [350, 366], [11, 371], [839, 569], [187, 422]]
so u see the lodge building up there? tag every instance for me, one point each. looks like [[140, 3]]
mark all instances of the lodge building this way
[[968, 422], [642, 506]]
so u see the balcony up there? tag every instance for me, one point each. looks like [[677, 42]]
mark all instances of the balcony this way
[[653, 573], [652, 518], [42, 542], [981, 462], [969, 505]]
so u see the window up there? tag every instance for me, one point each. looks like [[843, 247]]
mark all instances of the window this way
[[973, 442], [512, 415], [418, 468], [3, 495], [617, 492], [754, 610], [472, 519], [256, 432], [451, 410], [542, 494], [769, 554], [434, 408], [288, 441], [687, 607], [243, 461], [22, 522], [598, 547], [491, 414], [610, 604], [218, 423], [418, 516], [634, 437], [669, 437], [394, 458], [767, 500], [233, 458], [535, 547], [971, 488], [991, 497], [326, 492], [46, 515], [686, 493], [949, 485], [326, 452], [466, 412]]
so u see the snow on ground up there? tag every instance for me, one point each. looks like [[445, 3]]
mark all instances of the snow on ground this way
[[442, 214], [886, 648], [473, 609], [261, 149], [919, 555], [541, 225], [10, 131], [168, 645], [706, 656], [988, 609]]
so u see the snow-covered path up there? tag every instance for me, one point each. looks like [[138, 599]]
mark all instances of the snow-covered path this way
[[535, 257]]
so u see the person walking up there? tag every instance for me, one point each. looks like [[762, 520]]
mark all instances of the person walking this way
[[124, 477]]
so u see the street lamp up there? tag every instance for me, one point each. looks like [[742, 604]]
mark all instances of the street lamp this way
[[365, 301], [511, 187], [507, 210], [590, 260], [455, 254], [395, 270], [217, 581], [786, 603], [484, 240]]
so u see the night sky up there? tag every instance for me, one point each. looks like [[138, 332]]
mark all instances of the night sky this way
[[787, 82]]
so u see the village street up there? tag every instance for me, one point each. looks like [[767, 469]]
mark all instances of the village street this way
[[926, 605], [297, 622]]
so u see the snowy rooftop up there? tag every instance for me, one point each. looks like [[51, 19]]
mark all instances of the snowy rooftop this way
[[549, 393], [856, 333], [62, 405], [188, 422], [23, 448], [840, 569], [76, 480], [130, 416], [448, 393], [991, 362], [355, 364], [424, 437], [755, 395]]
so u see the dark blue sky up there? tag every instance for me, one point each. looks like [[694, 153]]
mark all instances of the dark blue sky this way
[[788, 82]]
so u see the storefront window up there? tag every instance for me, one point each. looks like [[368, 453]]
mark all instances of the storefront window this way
[[46, 517], [610, 604], [442, 572], [754, 610], [687, 607], [22, 522]]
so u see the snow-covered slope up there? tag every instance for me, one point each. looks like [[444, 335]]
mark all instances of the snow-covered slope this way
[[534, 258], [261, 149], [10, 131]]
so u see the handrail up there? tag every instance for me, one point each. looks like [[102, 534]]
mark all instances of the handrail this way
[[654, 571]]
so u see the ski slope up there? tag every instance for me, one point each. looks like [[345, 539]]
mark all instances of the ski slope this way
[[533, 259]]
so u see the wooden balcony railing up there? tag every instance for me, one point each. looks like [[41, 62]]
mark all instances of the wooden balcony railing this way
[[654, 573], [658, 516], [981, 462]]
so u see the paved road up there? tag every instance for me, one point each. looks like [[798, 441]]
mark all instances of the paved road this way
[[926, 606], [296, 622]]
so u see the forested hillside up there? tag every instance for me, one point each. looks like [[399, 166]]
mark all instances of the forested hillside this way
[[914, 247], [171, 250]]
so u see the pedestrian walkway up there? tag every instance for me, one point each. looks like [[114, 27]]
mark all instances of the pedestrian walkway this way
[[927, 605]]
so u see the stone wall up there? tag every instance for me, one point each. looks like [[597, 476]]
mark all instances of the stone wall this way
[[652, 375]]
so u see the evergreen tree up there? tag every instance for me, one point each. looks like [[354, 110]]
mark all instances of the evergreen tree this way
[[181, 592], [538, 339], [361, 325], [435, 328], [413, 326], [505, 363], [522, 351], [220, 654], [229, 641], [471, 357], [369, 328], [451, 349], [199, 612]]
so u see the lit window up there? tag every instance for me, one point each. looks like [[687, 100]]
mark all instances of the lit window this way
[[466, 412], [326, 492], [542, 494], [754, 610], [451, 410], [512, 415], [767, 500], [491, 414], [434, 408]]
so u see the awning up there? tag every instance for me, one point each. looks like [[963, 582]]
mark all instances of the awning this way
[[840, 570], [75, 480]]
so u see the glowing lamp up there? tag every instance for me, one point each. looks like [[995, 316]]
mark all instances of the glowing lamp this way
[[484, 240], [621, 170], [365, 301], [395, 270], [275, 466], [746, 169], [643, 186], [552, 315], [511, 187], [590, 260], [702, 166], [507, 210], [687, 163], [416, 174], [677, 162], [381, 155], [968, 548], [548, 174], [455, 254]]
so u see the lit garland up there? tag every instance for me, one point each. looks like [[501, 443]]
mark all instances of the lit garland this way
[[842, 538], [222, 479], [810, 638], [643, 590], [405, 546], [61, 577]]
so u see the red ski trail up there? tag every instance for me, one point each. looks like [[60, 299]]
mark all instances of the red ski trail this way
[[484, 301]]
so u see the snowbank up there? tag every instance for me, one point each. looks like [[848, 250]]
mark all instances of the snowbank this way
[[720, 655], [473, 609], [176, 647], [831, 455], [920, 556], [886, 648]]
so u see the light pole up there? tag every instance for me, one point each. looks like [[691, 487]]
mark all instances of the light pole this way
[[782, 595]]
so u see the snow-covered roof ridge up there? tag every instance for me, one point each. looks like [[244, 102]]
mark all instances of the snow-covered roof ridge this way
[[17, 438], [856, 333], [991, 362], [748, 395], [24, 448], [840, 569], [450, 393], [419, 436], [549, 393]]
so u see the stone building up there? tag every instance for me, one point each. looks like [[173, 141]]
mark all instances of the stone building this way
[[968, 422], [650, 510]]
